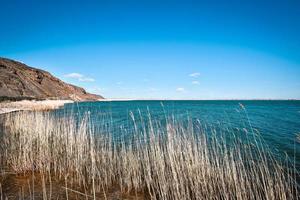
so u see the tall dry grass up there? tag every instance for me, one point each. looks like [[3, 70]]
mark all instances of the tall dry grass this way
[[160, 161]]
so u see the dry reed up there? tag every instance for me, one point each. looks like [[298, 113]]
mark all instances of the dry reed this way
[[161, 161]]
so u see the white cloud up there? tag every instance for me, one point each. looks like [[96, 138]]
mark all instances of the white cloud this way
[[86, 79], [195, 75], [96, 90], [153, 89], [180, 89], [74, 75], [79, 77], [195, 82], [119, 83]]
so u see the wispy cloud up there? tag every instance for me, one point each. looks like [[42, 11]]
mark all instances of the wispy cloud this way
[[79, 77], [153, 89], [74, 75], [119, 83], [180, 89], [96, 90], [195, 82], [194, 75], [86, 79]]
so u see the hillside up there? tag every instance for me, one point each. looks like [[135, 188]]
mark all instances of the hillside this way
[[18, 81]]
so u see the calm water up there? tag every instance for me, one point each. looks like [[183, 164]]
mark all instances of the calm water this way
[[278, 122]]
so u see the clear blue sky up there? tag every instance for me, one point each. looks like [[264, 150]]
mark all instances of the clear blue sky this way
[[160, 49]]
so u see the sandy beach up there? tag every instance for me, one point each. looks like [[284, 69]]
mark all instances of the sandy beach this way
[[7, 107]]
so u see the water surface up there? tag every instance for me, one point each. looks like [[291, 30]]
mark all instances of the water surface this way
[[278, 122]]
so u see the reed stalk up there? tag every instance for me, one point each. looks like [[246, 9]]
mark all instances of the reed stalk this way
[[166, 161]]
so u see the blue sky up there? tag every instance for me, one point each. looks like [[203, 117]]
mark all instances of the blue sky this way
[[160, 49]]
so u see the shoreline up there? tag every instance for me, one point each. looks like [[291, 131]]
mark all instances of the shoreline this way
[[44, 105]]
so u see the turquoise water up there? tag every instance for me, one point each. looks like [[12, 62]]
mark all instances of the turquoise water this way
[[278, 122]]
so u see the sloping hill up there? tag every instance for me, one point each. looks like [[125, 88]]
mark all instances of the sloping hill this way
[[18, 80]]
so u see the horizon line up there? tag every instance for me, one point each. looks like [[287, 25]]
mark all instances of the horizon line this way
[[175, 99]]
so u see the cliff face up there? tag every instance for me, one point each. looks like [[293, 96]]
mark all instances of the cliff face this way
[[20, 80]]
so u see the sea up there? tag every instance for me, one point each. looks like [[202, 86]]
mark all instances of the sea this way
[[277, 122]]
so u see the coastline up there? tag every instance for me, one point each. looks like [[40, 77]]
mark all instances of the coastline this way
[[74, 159], [44, 105]]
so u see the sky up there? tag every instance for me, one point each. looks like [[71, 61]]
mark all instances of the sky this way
[[160, 49]]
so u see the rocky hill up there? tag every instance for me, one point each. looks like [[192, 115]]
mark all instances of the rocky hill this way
[[18, 80]]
